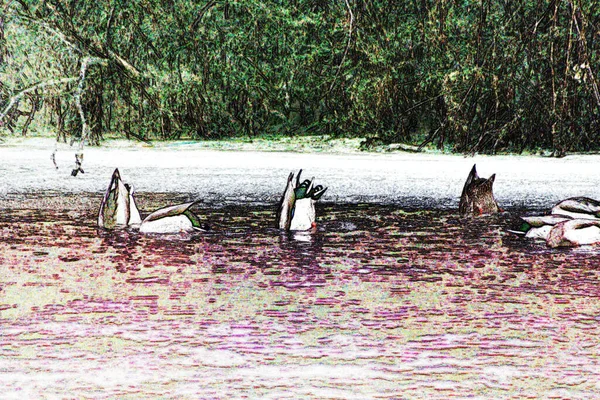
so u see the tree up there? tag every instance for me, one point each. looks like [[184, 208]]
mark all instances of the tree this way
[[469, 76]]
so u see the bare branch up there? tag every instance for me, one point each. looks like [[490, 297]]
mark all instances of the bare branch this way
[[350, 29], [85, 129], [586, 57], [15, 99]]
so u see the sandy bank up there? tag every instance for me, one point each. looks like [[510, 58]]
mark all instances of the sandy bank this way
[[228, 176]]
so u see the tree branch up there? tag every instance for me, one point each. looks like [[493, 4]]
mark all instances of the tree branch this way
[[15, 99], [85, 129], [586, 57], [350, 29]]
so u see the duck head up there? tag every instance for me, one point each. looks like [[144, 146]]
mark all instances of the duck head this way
[[477, 197], [574, 232], [118, 208], [297, 207]]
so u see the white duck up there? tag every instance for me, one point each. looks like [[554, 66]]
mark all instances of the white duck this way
[[572, 222], [539, 226], [578, 207]]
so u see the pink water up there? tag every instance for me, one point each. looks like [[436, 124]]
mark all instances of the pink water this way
[[380, 303]]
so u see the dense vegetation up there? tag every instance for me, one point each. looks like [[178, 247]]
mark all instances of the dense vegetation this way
[[472, 76]]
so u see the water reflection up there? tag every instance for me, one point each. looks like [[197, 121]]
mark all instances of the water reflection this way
[[419, 301]]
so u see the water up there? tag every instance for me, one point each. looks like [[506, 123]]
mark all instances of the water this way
[[381, 302]]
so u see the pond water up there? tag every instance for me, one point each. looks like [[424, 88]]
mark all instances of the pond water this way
[[381, 302]]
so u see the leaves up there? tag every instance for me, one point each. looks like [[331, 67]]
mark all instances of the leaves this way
[[478, 76]]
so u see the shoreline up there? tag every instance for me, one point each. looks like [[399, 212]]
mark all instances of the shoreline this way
[[225, 176]]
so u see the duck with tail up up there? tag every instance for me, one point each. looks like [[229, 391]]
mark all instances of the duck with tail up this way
[[297, 206], [572, 222], [118, 209], [477, 196]]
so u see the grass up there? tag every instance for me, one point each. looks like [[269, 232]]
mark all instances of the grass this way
[[266, 142]]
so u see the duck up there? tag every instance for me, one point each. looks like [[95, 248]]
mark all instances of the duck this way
[[118, 208], [539, 226], [477, 196], [574, 232], [578, 208], [172, 219], [296, 210]]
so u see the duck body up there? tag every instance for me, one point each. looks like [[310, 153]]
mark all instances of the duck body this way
[[118, 208], [574, 232], [304, 215], [297, 206], [477, 197], [172, 219], [572, 222]]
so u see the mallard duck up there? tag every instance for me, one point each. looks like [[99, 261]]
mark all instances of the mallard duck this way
[[572, 222], [172, 219], [578, 207], [574, 232], [297, 207], [118, 207], [538, 227], [477, 197]]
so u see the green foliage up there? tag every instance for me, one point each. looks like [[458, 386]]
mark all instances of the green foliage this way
[[479, 76]]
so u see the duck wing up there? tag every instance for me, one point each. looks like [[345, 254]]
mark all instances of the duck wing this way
[[583, 205], [539, 220], [171, 211], [114, 209], [286, 204]]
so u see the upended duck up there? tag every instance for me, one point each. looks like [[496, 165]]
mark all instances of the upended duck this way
[[477, 196], [297, 207], [118, 210], [118, 207], [572, 222]]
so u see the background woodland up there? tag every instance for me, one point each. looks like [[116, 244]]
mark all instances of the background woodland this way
[[464, 76]]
